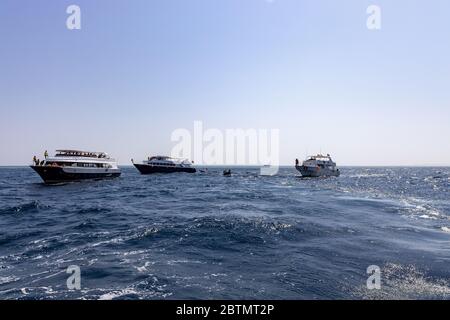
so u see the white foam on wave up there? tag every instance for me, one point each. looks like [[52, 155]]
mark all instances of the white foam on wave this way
[[446, 229], [425, 216], [368, 175], [421, 208], [116, 294], [141, 232], [175, 262], [8, 279], [144, 267], [218, 275], [113, 240], [134, 252]]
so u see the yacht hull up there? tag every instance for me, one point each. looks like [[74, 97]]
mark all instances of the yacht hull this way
[[315, 172], [149, 169], [52, 175]]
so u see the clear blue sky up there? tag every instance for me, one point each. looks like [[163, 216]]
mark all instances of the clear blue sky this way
[[139, 69]]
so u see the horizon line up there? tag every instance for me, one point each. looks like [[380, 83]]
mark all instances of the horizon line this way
[[286, 165]]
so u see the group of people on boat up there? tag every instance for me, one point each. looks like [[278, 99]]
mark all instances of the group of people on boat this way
[[38, 162]]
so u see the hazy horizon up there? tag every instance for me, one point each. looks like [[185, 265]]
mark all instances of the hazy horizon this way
[[137, 71]]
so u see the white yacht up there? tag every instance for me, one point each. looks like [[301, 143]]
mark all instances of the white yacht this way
[[318, 166], [75, 165], [163, 164]]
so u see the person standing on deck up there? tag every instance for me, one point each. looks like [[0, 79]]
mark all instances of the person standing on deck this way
[[45, 154]]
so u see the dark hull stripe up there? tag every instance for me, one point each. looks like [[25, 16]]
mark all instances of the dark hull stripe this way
[[57, 175], [146, 169]]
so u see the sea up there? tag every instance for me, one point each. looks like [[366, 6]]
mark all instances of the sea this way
[[372, 233]]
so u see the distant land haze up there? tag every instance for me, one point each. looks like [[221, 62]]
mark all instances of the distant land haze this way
[[137, 71]]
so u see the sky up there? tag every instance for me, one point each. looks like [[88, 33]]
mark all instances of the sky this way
[[138, 70]]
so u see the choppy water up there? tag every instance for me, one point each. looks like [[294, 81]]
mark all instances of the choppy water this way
[[247, 236]]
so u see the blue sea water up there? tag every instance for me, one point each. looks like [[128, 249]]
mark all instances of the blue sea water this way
[[205, 236]]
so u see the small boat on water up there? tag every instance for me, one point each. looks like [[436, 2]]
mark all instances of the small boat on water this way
[[75, 165], [318, 166], [227, 172], [163, 164]]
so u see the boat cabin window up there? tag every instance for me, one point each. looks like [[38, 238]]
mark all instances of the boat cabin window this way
[[78, 164], [70, 153], [91, 165]]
